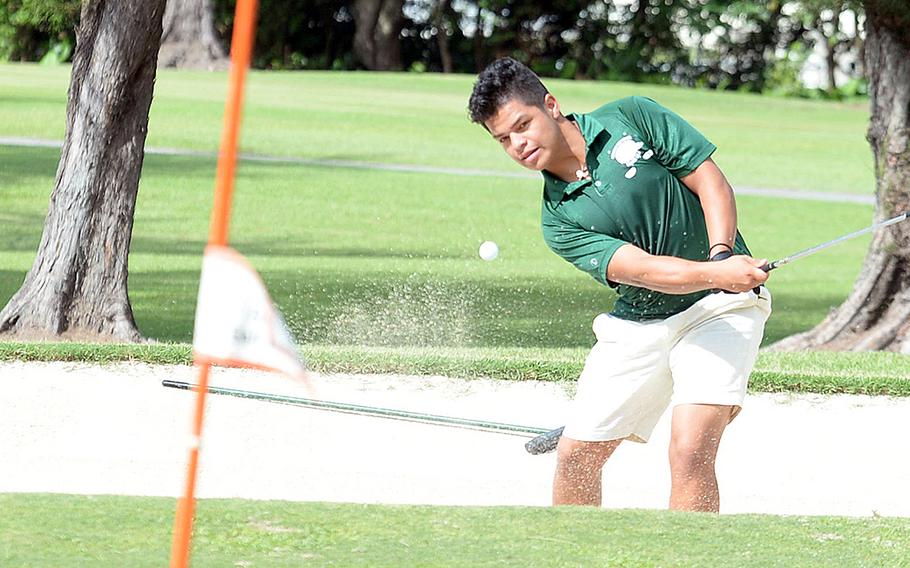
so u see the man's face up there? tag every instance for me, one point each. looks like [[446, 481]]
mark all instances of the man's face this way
[[528, 133]]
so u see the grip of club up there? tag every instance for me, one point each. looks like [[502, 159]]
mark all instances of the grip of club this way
[[544, 443], [767, 267]]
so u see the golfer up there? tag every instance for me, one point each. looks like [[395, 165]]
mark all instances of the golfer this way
[[632, 197]]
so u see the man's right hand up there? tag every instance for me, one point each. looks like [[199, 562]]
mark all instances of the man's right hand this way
[[737, 273]]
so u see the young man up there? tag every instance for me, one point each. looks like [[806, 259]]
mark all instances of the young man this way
[[632, 197]]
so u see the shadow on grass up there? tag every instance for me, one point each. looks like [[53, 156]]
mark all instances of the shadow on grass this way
[[793, 313], [391, 310], [10, 282], [21, 232], [420, 310], [298, 247], [388, 310], [29, 101], [18, 164], [156, 220]]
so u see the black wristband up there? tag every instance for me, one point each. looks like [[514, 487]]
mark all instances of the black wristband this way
[[722, 255], [729, 248]]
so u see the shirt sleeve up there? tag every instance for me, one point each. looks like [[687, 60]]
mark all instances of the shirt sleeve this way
[[588, 251], [678, 145]]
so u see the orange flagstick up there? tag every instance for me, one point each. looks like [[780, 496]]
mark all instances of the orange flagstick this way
[[241, 51]]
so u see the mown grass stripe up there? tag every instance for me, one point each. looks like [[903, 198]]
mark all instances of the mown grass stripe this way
[[43, 530], [805, 372]]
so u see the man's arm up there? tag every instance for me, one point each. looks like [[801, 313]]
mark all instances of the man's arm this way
[[670, 275], [717, 201]]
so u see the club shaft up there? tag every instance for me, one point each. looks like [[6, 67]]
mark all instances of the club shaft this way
[[368, 410], [831, 243]]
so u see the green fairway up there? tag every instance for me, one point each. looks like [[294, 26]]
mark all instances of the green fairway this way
[[377, 271], [56, 530], [422, 119], [815, 372], [379, 259], [401, 269]]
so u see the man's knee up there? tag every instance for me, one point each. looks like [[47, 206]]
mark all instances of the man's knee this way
[[691, 455], [694, 444], [578, 454]]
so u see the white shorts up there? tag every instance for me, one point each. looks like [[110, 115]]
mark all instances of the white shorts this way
[[703, 355]]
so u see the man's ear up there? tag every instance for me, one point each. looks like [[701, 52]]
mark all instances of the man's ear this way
[[551, 105]]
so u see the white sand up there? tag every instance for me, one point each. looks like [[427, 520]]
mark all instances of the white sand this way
[[76, 428]]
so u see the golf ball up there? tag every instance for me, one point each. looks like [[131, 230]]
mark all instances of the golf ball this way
[[489, 250]]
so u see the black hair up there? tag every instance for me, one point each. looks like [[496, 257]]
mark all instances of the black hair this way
[[503, 80]]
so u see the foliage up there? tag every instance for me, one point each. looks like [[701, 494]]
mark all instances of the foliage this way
[[893, 15], [32, 30], [297, 34], [783, 75], [735, 45]]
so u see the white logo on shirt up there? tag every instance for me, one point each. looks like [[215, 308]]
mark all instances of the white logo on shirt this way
[[627, 151]]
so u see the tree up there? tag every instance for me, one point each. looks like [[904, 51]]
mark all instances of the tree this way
[[376, 39], [77, 286], [876, 315], [824, 17], [33, 29], [296, 34], [441, 10], [745, 36], [188, 40]]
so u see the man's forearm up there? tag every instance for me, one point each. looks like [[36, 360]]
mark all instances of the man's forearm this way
[[669, 275]]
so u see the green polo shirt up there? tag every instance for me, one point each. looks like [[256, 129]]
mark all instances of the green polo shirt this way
[[636, 152]]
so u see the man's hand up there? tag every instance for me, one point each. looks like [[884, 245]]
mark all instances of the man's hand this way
[[737, 273]]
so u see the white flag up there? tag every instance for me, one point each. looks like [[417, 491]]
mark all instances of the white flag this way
[[237, 325]]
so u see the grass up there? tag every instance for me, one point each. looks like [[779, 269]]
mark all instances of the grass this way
[[360, 260], [377, 271], [815, 372], [422, 119], [100, 531], [400, 270]]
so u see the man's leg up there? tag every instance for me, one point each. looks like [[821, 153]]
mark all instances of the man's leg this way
[[578, 471], [694, 438]]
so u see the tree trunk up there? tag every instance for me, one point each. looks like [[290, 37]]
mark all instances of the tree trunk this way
[[77, 286], [188, 40], [876, 315], [831, 63], [442, 36], [480, 59], [376, 41], [860, 70]]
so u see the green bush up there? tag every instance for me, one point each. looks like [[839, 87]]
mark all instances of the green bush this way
[[783, 75], [38, 30]]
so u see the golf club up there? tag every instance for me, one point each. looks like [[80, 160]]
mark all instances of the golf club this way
[[544, 443], [483, 425], [823, 246], [547, 441]]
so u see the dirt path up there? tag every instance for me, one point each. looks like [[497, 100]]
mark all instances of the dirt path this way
[[76, 428]]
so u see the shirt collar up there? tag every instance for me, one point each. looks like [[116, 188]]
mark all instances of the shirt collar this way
[[595, 135]]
